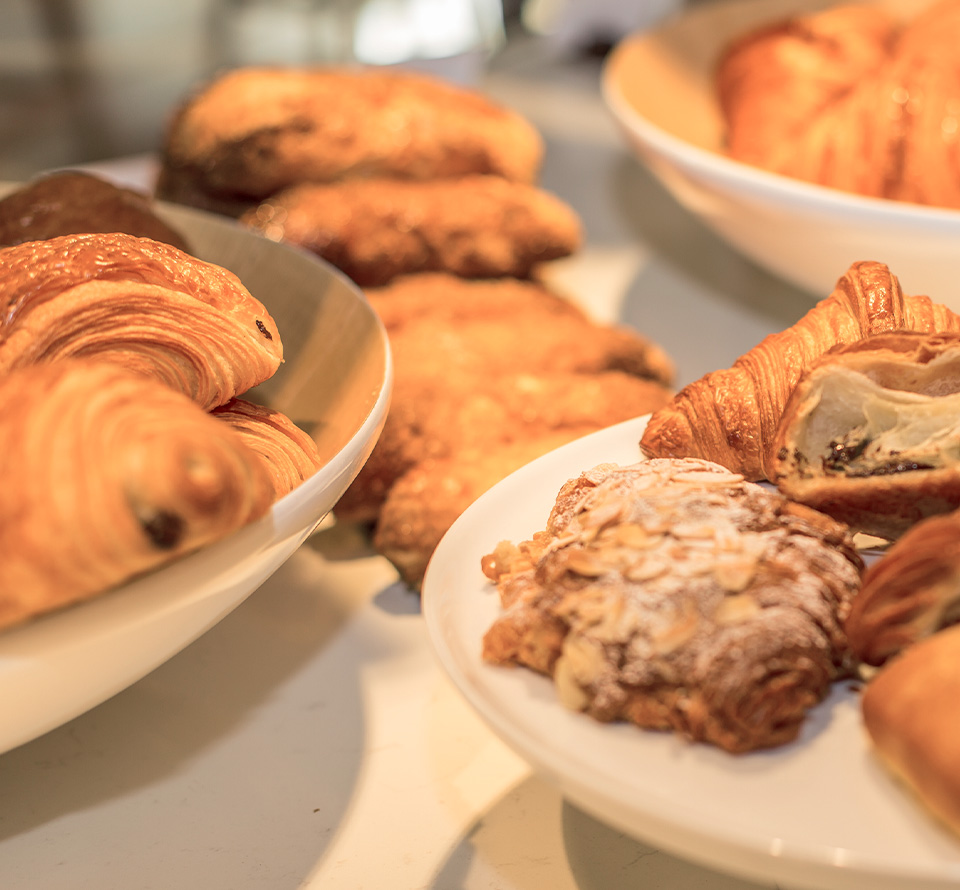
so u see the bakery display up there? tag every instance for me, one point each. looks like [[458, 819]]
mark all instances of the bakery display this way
[[849, 98], [72, 202], [677, 596], [908, 711], [254, 131], [109, 474], [145, 304], [732, 416], [871, 434], [377, 229]]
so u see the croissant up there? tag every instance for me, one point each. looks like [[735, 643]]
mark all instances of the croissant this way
[[911, 592], [910, 714], [254, 131], [290, 455], [889, 133], [108, 474], [72, 201], [147, 305], [675, 595], [732, 416], [376, 229], [870, 433]]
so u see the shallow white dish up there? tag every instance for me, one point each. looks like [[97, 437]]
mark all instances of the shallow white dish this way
[[335, 383], [658, 85], [819, 813]]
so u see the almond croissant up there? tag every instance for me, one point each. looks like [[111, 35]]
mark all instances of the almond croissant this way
[[108, 474], [731, 416], [147, 305]]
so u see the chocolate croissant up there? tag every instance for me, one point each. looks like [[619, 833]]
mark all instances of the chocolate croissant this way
[[290, 455], [732, 416], [376, 229], [674, 595], [254, 131], [71, 201], [870, 433], [910, 593], [142, 303], [108, 474], [910, 713]]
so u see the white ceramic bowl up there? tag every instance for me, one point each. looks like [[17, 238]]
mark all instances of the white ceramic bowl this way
[[335, 383], [658, 84]]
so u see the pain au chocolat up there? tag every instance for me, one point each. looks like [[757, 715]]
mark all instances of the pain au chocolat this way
[[108, 474], [871, 434], [676, 595], [732, 416], [146, 304]]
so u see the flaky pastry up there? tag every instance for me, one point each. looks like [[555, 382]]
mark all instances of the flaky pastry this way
[[140, 302], [732, 416], [109, 474]]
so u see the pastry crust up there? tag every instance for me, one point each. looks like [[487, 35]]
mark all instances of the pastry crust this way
[[145, 304], [254, 131], [910, 593], [71, 202], [871, 434], [376, 229], [732, 416], [106, 475], [289, 454], [677, 596], [909, 710], [875, 115]]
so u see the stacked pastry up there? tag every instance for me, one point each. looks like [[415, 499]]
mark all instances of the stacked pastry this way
[[425, 194], [850, 97], [123, 362]]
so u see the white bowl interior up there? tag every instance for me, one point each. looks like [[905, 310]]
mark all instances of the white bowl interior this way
[[659, 87]]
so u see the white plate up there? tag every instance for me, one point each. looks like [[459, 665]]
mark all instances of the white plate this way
[[659, 87], [335, 383], [818, 813]]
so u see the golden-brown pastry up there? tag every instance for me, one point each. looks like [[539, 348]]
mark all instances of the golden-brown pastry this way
[[422, 504], [442, 418], [145, 304], [871, 434], [891, 134], [732, 416], [911, 592], [677, 596], [451, 325], [71, 201], [910, 713], [290, 455], [108, 474], [376, 229], [254, 131]]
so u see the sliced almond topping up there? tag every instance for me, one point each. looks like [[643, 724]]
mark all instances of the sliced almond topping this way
[[734, 575], [646, 570], [582, 562], [736, 609]]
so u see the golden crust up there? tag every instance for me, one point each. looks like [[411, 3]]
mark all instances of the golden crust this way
[[72, 202], [732, 416], [376, 229], [909, 710], [143, 303], [254, 131], [108, 474], [289, 454]]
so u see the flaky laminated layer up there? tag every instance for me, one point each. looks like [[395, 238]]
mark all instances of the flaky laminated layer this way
[[142, 303], [675, 595]]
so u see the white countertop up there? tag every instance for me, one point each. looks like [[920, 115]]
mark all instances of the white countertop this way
[[310, 740]]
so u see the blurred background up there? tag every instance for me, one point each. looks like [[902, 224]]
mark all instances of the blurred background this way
[[87, 80]]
